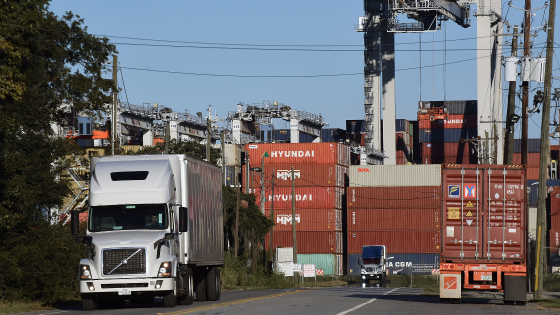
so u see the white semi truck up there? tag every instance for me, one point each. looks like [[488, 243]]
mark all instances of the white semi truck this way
[[154, 229], [373, 265]]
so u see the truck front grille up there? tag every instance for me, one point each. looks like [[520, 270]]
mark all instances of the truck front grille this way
[[124, 261]]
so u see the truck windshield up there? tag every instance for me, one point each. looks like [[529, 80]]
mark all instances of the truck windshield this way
[[128, 217]]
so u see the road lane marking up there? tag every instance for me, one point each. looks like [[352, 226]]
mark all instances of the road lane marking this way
[[211, 306], [364, 304]]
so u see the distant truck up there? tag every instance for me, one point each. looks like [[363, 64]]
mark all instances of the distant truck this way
[[484, 231], [154, 230], [373, 265]]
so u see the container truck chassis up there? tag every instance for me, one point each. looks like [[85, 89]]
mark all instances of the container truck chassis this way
[[483, 235]]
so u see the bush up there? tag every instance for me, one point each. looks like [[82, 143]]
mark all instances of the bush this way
[[237, 274]]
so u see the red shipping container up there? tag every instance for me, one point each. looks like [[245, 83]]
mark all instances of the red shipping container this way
[[401, 160], [299, 153], [396, 241], [484, 214], [533, 159], [308, 242], [532, 173], [307, 219], [359, 138], [449, 160], [400, 153], [410, 197], [306, 197], [445, 149], [452, 122], [393, 219], [555, 208], [305, 175]]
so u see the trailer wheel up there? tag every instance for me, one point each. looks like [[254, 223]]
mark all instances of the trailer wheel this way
[[201, 286], [213, 284], [188, 297], [88, 302]]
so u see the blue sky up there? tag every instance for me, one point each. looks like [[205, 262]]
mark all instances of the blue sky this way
[[324, 27]]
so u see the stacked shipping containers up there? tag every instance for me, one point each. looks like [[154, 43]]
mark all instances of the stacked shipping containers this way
[[319, 171], [533, 156], [440, 139], [397, 206], [404, 141]]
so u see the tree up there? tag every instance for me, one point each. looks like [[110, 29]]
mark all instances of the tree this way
[[45, 61], [189, 148]]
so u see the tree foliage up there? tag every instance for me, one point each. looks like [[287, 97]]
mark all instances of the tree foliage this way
[[190, 148], [45, 61]]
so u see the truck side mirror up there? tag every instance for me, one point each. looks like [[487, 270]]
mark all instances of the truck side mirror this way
[[183, 219], [75, 222]]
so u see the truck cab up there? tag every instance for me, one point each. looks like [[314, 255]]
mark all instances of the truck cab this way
[[373, 265]]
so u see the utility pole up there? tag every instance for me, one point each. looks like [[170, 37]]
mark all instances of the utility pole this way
[[541, 203], [262, 185], [167, 138], [272, 218], [525, 85], [208, 138], [508, 143], [223, 159], [236, 213], [294, 216], [114, 108]]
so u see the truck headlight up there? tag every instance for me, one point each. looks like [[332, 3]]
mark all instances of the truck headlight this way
[[85, 273], [165, 269]]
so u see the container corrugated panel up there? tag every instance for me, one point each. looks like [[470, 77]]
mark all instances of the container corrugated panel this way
[[402, 264], [533, 159], [307, 219], [308, 242], [452, 121], [393, 219], [396, 241], [532, 222], [332, 134], [282, 135], [483, 214], [533, 145], [405, 197], [355, 126], [533, 193], [446, 135], [401, 125], [446, 149], [329, 263], [306, 175], [453, 107], [469, 159], [533, 173], [394, 175], [401, 160], [359, 138], [299, 153], [305, 138], [306, 197]]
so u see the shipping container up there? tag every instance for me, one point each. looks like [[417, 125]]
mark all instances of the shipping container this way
[[393, 219], [452, 122], [396, 241], [333, 135], [401, 160], [306, 175], [306, 138], [533, 191], [330, 264], [307, 219], [232, 154], [355, 126], [402, 125], [230, 176], [446, 135], [404, 197], [533, 145], [453, 107], [394, 175], [401, 264], [472, 159], [532, 173], [446, 149], [533, 159], [483, 214], [532, 223], [299, 153], [359, 138], [306, 197], [308, 242], [402, 139]]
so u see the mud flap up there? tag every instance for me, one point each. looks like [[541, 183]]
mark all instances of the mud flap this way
[[515, 288], [450, 286]]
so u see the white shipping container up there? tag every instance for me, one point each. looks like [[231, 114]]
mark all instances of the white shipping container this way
[[394, 175], [232, 154], [532, 220]]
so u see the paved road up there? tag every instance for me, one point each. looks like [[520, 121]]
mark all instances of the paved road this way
[[337, 301]]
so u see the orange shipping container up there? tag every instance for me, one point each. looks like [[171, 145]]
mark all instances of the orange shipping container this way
[[299, 153], [304, 174], [452, 122], [396, 241], [308, 242], [409, 197], [306, 197], [393, 219], [533, 159], [532, 173], [307, 219]]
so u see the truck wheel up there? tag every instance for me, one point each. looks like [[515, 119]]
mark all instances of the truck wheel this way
[[201, 286], [169, 299], [188, 297], [213, 284], [88, 303]]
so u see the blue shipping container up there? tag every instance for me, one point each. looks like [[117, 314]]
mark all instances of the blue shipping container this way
[[446, 135], [416, 264], [332, 134], [355, 126], [305, 138], [533, 145], [533, 194], [401, 125], [282, 135]]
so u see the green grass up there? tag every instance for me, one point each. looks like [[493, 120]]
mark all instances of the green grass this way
[[547, 303], [20, 307]]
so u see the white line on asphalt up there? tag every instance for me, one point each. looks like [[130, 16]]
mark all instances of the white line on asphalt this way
[[52, 313], [363, 304]]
